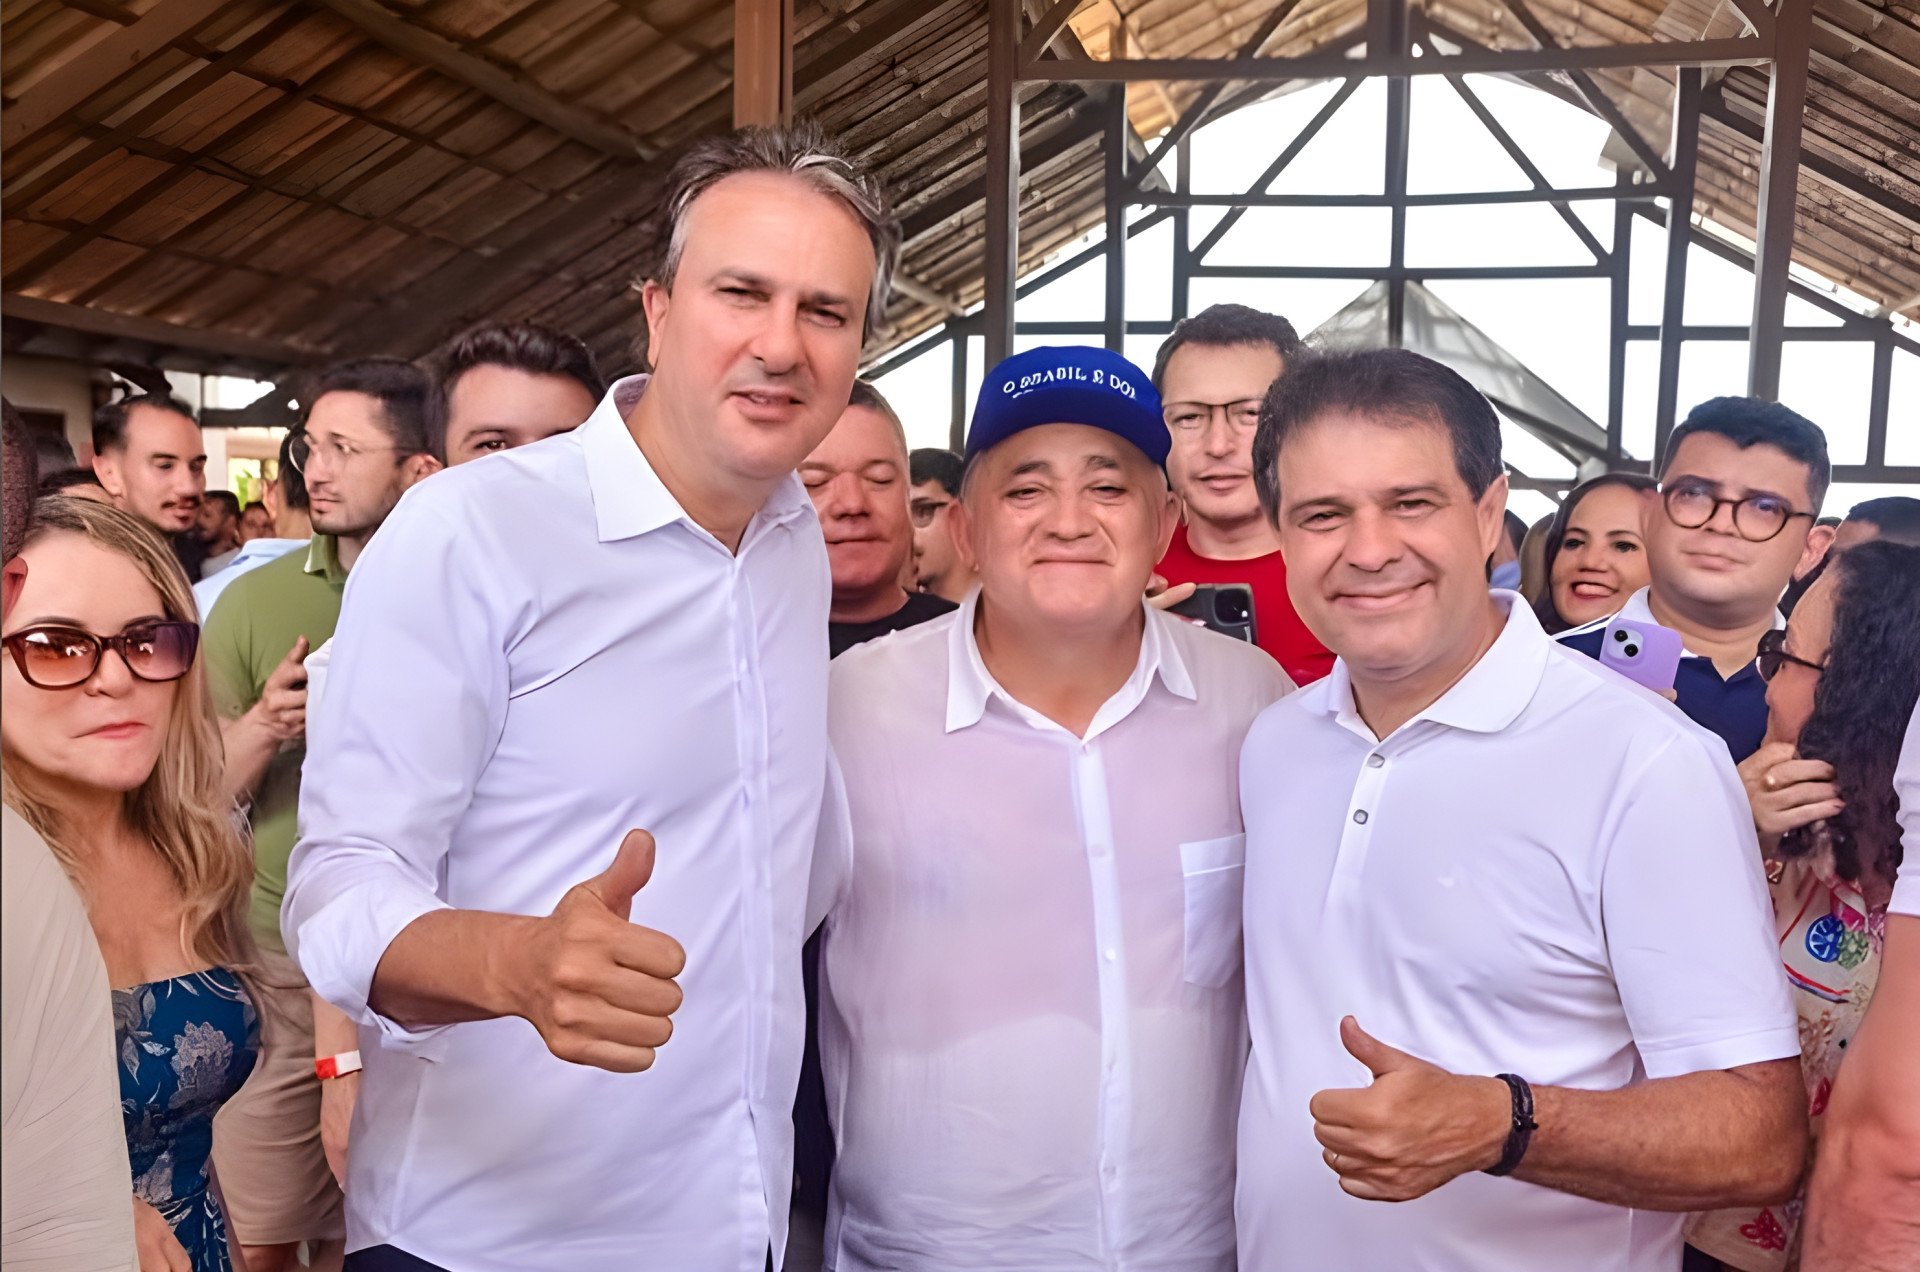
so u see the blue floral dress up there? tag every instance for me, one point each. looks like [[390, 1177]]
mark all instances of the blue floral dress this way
[[186, 1045]]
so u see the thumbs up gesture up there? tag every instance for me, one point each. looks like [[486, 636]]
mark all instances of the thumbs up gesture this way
[[598, 988], [1416, 1127]]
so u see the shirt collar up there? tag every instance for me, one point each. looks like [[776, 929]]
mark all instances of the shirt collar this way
[[629, 499], [323, 558], [1639, 609], [1492, 694], [970, 685]]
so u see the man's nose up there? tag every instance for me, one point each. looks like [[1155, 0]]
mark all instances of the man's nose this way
[[1373, 542], [776, 346]]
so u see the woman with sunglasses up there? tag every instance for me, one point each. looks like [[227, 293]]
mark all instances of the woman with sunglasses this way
[[109, 749], [1842, 680]]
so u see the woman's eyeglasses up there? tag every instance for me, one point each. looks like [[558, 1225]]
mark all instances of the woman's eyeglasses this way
[[1774, 655], [67, 657]]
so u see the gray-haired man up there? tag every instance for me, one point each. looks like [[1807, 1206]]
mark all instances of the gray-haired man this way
[[623, 626]]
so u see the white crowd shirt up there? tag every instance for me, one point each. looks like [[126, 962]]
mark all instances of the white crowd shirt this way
[[1032, 1022], [250, 556], [539, 652], [1551, 872], [1906, 785]]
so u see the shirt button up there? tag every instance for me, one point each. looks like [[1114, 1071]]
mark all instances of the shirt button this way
[[1110, 954], [1376, 760], [1360, 816]]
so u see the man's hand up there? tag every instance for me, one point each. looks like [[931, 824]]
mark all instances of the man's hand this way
[[1787, 792], [1414, 1129], [1161, 596], [282, 709], [599, 988], [154, 1245]]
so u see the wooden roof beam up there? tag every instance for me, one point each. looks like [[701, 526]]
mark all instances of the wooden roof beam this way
[[98, 65], [507, 87], [101, 322]]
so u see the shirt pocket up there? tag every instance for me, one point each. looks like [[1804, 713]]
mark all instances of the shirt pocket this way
[[1213, 873]]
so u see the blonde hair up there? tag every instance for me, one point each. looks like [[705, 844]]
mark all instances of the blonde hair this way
[[181, 809]]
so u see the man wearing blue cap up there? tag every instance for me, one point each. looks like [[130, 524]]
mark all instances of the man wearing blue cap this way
[[1031, 1016]]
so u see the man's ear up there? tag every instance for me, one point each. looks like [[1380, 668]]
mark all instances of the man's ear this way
[[106, 470], [1492, 513], [1170, 511], [960, 529], [1819, 543], [655, 301], [420, 467]]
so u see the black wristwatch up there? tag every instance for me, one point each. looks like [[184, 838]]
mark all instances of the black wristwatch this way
[[1523, 1128]]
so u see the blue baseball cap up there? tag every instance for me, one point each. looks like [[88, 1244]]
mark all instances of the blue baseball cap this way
[[1069, 384]]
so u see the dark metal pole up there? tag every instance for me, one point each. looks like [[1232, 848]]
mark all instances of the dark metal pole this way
[[1387, 31], [957, 425], [1877, 402], [1779, 181], [1116, 191], [1003, 175], [1684, 163], [1621, 260], [1182, 278]]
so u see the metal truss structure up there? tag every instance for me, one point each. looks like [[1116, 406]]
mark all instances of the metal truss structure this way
[[1397, 43]]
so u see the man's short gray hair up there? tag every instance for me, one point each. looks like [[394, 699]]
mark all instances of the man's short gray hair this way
[[800, 150], [867, 396]]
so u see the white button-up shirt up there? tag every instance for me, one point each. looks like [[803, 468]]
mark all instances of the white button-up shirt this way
[[1031, 1020], [1550, 872], [537, 653]]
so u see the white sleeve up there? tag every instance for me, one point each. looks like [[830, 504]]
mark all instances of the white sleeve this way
[[1689, 926], [415, 703], [1906, 785], [832, 848]]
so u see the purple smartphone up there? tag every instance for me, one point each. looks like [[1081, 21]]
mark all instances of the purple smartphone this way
[[1644, 653]]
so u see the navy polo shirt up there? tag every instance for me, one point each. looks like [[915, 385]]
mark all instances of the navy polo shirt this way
[[1734, 707]]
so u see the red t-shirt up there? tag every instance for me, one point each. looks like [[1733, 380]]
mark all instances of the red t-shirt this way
[[1279, 629]]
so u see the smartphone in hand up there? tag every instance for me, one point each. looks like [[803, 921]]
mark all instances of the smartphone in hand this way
[[1645, 653], [1226, 608]]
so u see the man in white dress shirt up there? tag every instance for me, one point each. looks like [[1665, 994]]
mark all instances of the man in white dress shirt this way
[[1505, 911], [623, 626], [1031, 1015]]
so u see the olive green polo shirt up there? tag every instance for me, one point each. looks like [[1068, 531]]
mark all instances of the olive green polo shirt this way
[[252, 626]]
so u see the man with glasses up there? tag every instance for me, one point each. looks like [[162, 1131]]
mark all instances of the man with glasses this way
[[1740, 487], [937, 564], [1212, 373], [363, 444]]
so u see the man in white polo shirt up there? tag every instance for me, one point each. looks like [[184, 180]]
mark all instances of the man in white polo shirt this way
[[619, 627], [1032, 1022], [1573, 984]]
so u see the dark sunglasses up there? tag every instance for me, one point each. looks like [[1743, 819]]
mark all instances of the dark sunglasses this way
[[1774, 655], [67, 657]]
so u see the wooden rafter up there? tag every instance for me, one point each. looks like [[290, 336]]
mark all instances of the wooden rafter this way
[[101, 322], [98, 65], [412, 40]]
